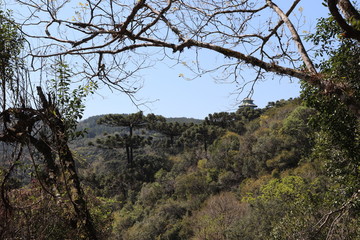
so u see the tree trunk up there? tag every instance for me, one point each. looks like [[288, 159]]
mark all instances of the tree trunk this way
[[349, 12], [128, 154], [67, 162]]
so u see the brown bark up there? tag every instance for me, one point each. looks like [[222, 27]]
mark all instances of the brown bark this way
[[301, 49], [61, 170], [350, 14], [70, 176], [348, 10]]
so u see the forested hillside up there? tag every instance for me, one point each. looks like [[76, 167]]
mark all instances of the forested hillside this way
[[250, 174], [264, 175], [288, 171]]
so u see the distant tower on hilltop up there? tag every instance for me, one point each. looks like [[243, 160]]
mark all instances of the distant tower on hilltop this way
[[248, 102]]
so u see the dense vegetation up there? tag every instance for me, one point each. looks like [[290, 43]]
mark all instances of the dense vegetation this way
[[288, 171], [269, 178], [265, 174]]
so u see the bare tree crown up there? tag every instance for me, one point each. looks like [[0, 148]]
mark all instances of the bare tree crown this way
[[108, 34]]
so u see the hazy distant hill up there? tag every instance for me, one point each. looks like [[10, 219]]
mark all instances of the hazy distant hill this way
[[94, 129], [184, 120]]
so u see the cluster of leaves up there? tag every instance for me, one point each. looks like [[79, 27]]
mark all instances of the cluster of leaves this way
[[10, 45], [69, 101], [337, 122]]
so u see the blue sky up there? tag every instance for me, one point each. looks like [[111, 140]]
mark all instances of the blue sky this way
[[167, 94]]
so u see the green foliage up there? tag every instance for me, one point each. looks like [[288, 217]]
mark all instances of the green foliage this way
[[338, 141], [102, 212], [128, 141], [289, 189], [225, 120], [11, 63], [11, 43], [223, 164], [131, 121], [150, 193], [224, 151], [325, 36], [172, 130], [265, 183], [118, 179], [292, 206], [160, 224], [288, 171], [117, 141], [201, 134], [191, 185], [181, 194], [282, 137], [69, 102], [248, 114], [146, 166], [234, 122]]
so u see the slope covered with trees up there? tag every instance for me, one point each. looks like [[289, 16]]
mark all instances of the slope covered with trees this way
[[288, 171], [273, 179]]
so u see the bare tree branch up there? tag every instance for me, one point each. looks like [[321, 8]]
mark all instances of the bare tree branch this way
[[304, 55], [245, 32]]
